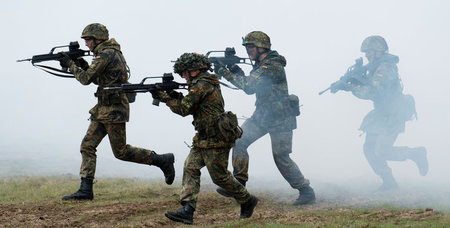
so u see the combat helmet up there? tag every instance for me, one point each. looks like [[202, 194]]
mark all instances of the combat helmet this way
[[376, 43], [96, 30], [257, 38], [191, 61]]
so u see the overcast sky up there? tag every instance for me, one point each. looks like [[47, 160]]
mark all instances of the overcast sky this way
[[44, 118]]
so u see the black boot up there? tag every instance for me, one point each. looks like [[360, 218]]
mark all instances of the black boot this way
[[84, 193], [165, 163], [248, 207], [184, 214], [225, 193], [306, 196]]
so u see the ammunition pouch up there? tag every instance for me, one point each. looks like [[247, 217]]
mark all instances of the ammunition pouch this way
[[408, 107], [294, 104], [283, 106], [223, 127]]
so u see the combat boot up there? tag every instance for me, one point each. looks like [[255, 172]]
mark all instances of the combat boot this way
[[248, 207], [165, 163], [419, 156], [225, 193], [389, 183], [184, 214], [306, 196], [84, 193]]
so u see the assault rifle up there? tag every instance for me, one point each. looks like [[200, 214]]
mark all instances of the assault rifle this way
[[356, 75], [229, 58], [167, 85], [74, 53]]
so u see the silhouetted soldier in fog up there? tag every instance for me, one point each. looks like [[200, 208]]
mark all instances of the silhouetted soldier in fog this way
[[380, 83]]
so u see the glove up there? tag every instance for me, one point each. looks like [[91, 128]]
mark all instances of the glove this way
[[65, 61], [235, 69], [82, 63], [160, 95], [175, 95]]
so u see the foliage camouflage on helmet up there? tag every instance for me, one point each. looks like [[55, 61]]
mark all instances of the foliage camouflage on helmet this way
[[191, 61], [376, 43], [96, 30], [257, 38]]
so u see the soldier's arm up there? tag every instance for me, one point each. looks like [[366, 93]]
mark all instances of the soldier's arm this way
[[97, 67], [257, 79], [383, 77], [186, 105]]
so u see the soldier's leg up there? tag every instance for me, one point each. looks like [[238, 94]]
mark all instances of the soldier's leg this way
[[216, 161], [402, 153], [94, 135], [281, 148], [240, 158], [375, 148], [191, 177], [189, 189], [126, 152]]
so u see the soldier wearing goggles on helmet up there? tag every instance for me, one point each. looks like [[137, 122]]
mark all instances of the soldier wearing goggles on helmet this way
[[275, 113]]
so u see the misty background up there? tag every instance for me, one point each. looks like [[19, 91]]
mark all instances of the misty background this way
[[44, 118]]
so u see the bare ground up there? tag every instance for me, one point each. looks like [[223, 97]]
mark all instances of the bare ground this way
[[212, 211]]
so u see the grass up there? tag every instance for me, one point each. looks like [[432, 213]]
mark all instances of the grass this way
[[119, 202]]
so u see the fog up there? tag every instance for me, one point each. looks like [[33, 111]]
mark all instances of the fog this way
[[44, 118]]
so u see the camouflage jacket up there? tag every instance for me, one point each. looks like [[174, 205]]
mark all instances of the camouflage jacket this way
[[108, 68], [268, 81], [391, 107], [204, 102]]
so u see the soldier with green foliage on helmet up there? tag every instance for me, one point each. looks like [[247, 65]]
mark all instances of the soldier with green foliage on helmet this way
[[275, 113], [217, 131], [382, 85], [110, 114]]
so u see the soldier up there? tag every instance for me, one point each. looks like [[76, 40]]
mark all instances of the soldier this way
[[111, 113], [217, 131], [275, 113], [392, 109]]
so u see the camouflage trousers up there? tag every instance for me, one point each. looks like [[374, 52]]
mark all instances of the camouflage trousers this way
[[216, 161], [117, 138], [281, 148], [379, 148]]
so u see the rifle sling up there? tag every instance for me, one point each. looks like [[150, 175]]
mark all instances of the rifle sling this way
[[226, 85], [44, 68]]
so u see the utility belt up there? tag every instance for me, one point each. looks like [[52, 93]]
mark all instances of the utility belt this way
[[108, 97], [223, 127]]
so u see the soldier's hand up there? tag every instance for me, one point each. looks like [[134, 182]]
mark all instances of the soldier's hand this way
[[334, 87], [66, 61], [160, 95], [235, 69], [220, 70], [175, 95], [82, 63]]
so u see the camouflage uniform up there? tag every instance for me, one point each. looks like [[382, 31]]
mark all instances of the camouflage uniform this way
[[387, 120], [272, 115], [205, 102], [109, 115]]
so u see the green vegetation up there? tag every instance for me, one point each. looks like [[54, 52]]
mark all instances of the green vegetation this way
[[36, 201]]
